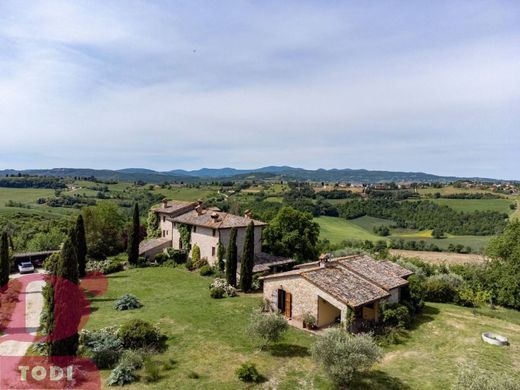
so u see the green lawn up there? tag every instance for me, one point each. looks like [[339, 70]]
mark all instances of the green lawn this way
[[337, 229], [209, 337], [206, 336], [470, 205]]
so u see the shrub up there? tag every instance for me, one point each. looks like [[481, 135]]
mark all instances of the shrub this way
[[122, 375], [137, 334], [178, 256], [132, 358], [309, 320], [268, 328], [193, 375], [195, 253], [470, 298], [189, 265], [217, 292], [200, 263], [247, 372], [396, 315], [160, 258], [127, 302], [342, 354], [206, 270], [152, 371], [103, 346], [442, 287], [105, 266], [221, 284]]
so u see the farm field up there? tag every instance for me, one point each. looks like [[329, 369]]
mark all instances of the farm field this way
[[186, 193], [440, 257], [470, 205], [337, 229], [209, 337]]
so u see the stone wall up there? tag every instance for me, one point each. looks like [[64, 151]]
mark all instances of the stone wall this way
[[165, 226], [304, 296]]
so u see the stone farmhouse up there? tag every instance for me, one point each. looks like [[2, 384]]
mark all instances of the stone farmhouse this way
[[331, 289], [209, 227]]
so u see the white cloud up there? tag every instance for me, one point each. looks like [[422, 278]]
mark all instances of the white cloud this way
[[102, 85]]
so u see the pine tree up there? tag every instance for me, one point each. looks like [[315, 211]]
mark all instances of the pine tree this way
[[248, 259], [221, 253], [231, 261], [80, 245], [4, 260], [66, 311], [133, 238]]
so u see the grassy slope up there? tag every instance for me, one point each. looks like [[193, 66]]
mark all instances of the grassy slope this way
[[338, 229], [209, 337]]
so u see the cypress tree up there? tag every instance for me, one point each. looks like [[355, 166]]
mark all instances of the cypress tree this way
[[221, 253], [4, 260], [231, 261], [133, 238], [248, 259], [80, 245], [66, 311]]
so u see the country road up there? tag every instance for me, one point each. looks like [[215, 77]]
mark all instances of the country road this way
[[25, 320]]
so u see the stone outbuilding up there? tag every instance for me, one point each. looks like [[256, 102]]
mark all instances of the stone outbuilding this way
[[330, 289]]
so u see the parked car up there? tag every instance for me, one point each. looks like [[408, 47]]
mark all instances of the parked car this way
[[26, 267]]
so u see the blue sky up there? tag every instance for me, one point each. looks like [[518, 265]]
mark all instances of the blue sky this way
[[414, 86]]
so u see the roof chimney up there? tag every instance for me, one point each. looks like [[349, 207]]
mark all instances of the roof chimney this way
[[324, 258], [198, 209], [248, 214], [214, 216], [165, 203]]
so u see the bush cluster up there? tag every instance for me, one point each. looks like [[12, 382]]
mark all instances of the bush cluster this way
[[103, 346], [220, 288], [106, 267], [139, 334], [247, 372], [127, 302]]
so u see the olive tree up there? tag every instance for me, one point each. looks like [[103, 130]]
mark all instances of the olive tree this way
[[343, 354]]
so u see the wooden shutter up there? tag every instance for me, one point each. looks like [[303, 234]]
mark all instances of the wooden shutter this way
[[288, 305]]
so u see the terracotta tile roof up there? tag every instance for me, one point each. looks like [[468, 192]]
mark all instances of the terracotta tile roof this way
[[345, 285], [264, 261], [175, 207], [381, 273], [147, 245], [215, 219]]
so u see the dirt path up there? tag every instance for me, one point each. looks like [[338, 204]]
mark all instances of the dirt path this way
[[31, 304]]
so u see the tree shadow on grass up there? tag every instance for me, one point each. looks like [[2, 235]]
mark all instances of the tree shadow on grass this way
[[376, 380], [288, 350], [427, 315], [103, 299], [114, 276]]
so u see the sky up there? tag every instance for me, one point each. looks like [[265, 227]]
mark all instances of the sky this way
[[427, 86]]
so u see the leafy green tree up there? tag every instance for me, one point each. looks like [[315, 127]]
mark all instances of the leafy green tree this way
[[46, 241], [232, 259], [133, 238], [293, 233], [268, 328], [504, 268], [221, 253], [342, 354], [248, 259], [5, 263], [80, 245], [104, 224], [437, 233]]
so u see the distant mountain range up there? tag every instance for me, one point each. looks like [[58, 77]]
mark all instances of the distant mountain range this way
[[265, 173]]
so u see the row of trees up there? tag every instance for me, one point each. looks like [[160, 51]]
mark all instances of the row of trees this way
[[426, 215], [248, 259]]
